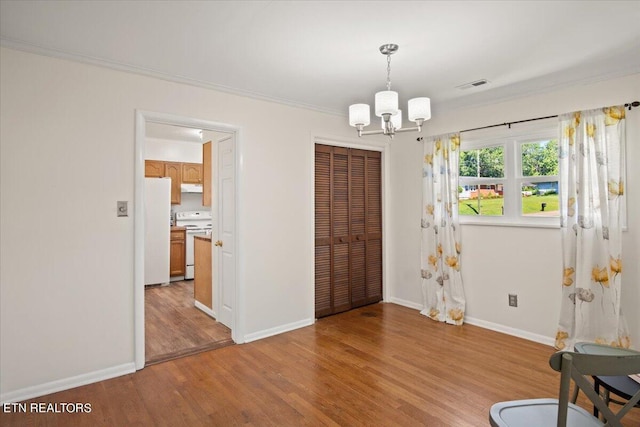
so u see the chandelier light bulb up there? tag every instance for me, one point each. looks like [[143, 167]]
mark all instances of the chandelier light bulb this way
[[386, 102], [419, 109], [359, 115]]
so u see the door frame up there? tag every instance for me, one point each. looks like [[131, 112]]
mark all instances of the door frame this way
[[372, 145], [143, 117]]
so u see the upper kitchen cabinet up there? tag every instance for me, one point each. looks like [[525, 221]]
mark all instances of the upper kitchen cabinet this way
[[180, 173], [206, 174], [173, 170], [192, 173], [153, 168]]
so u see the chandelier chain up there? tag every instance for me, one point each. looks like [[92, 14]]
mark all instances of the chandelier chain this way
[[388, 72]]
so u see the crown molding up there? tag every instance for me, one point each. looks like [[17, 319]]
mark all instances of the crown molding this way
[[75, 57], [503, 94]]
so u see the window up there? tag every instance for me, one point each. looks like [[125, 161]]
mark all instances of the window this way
[[539, 178], [482, 181], [510, 176]]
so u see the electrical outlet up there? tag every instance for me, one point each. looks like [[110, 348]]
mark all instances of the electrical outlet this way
[[513, 300]]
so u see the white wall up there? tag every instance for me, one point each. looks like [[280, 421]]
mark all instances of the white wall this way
[[502, 260], [67, 155], [172, 151], [190, 202]]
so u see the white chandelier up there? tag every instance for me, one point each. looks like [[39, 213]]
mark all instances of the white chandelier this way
[[387, 107]]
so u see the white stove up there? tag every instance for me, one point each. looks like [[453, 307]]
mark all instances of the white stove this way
[[197, 223]]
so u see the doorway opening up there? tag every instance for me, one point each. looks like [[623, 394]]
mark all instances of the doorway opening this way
[[171, 318]]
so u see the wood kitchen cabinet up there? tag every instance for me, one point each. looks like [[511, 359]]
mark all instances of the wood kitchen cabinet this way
[[202, 278], [192, 173], [173, 170], [183, 173], [178, 254], [206, 174], [161, 169], [153, 168]]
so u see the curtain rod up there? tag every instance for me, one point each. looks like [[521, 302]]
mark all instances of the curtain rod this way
[[629, 105]]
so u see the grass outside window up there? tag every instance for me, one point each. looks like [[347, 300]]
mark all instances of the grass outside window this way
[[494, 207]]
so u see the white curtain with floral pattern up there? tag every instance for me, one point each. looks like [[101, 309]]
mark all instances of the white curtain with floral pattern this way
[[442, 291], [592, 159]]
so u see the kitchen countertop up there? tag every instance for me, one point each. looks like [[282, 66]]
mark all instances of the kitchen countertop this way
[[205, 238]]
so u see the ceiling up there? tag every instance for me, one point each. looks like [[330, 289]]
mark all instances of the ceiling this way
[[324, 55], [181, 133]]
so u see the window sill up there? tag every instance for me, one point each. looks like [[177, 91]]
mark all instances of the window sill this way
[[511, 224], [517, 224]]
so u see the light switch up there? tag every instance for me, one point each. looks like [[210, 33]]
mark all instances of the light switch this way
[[123, 208]]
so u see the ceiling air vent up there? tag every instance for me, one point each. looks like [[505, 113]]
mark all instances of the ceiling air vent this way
[[473, 84]]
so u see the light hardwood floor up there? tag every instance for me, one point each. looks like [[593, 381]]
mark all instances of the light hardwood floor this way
[[174, 327], [381, 365]]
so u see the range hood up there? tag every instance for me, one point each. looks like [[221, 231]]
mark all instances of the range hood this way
[[191, 188]]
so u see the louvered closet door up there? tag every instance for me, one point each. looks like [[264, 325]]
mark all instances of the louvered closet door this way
[[373, 222], [358, 229], [323, 230], [341, 297], [348, 214]]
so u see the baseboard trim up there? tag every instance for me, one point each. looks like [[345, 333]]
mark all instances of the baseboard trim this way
[[510, 331], [405, 303], [278, 330], [487, 325], [67, 383], [205, 309]]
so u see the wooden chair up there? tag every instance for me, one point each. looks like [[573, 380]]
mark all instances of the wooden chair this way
[[622, 386], [560, 412]]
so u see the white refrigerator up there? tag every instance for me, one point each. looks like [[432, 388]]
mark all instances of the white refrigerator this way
[[157, 230]]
